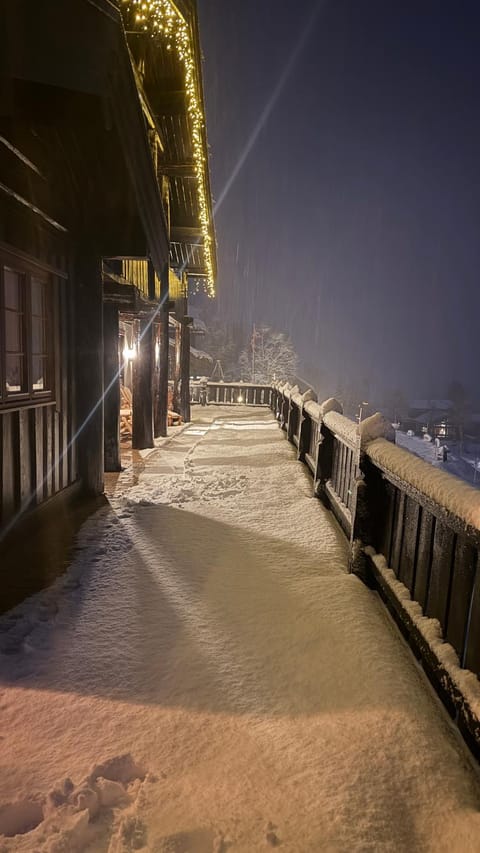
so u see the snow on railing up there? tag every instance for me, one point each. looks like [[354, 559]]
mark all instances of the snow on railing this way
[[414, 533], [458, 498]]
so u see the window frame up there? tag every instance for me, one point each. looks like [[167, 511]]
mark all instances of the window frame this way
[[29, 396]]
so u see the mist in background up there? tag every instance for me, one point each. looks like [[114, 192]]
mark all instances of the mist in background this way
[[353, 223]]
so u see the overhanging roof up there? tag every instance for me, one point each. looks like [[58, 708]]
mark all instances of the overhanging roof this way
[[170, 64], [78, 49]]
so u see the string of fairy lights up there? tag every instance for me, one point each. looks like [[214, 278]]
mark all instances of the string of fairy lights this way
[[162, 18]]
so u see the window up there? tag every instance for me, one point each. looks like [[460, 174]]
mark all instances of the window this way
[[40, 354], [15, 357], [25, 335]]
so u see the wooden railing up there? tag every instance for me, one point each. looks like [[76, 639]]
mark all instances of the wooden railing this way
[[230, 393], [414, 534]]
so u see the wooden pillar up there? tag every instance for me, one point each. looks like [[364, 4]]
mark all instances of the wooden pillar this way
[[142, 405], [89, 369], [176, 372], [185, 369], [112, 388], [162, 398]]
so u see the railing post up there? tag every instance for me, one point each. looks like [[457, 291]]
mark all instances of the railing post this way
[[293, 414], [273, 397], [305, 426], [284, 407], [324, 448], [376, 426], [279, 403]]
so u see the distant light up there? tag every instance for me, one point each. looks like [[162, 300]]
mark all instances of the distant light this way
[[239, 399]]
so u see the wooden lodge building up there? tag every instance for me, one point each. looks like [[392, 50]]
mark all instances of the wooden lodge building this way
[[106, 219]]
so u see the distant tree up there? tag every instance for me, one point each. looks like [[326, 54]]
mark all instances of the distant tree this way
[[269, 355]]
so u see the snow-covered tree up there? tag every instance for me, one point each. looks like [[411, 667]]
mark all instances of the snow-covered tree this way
[[269, 355]]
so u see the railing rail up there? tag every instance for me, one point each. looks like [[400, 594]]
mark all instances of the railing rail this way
[[414, 534], [230, 393]]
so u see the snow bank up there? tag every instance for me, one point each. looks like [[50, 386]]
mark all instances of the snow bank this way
[[448, 491]]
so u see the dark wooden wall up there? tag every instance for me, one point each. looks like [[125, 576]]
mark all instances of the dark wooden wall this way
[[37, 446]]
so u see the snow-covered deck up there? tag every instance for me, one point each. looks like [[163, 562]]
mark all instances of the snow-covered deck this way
[[208, 627]]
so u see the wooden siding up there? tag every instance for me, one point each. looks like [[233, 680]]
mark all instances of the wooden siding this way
[[37, 447]]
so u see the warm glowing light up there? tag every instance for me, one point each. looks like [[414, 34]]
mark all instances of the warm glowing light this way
[[239, 399], [161, 18], [129, 353]]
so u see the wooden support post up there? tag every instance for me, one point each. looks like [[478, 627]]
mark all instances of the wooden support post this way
[[176, 367], [112, 388], [162, 399], [185, 369], [142, 406], [89, 369]]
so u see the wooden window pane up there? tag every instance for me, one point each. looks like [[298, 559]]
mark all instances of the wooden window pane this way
[[39, 337], [39, 373], [38, 297], [13, 332], [13, 284], [15, 356], [40, 342]]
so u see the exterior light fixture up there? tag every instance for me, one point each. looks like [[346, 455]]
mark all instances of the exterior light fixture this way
[[129, 353]]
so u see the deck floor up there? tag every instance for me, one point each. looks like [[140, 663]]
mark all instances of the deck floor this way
[[208, 627]]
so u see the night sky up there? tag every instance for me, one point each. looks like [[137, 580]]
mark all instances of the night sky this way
[[353, 223]]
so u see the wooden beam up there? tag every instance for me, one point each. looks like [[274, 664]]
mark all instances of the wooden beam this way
[[182, 234], [178, 170]]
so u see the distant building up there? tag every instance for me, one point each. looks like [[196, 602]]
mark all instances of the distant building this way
[[431, 416]]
